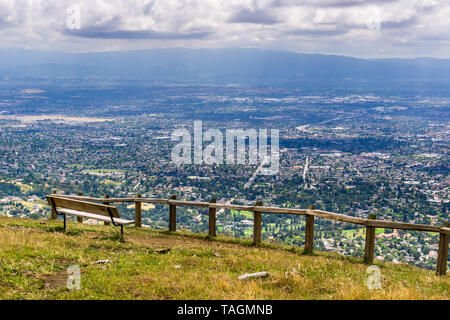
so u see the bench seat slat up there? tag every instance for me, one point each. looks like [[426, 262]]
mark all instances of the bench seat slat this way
[[82, 206], [94, 216]]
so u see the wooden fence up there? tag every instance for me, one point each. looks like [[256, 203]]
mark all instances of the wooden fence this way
[[258, 209]]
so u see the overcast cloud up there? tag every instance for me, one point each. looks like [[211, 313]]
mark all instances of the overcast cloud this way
[[401, 28]]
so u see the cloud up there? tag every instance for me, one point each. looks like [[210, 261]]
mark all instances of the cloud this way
[[316, 32], [325, 3], [12, 13], [331, 26], [256, 16], [403, 23], [134, 34]]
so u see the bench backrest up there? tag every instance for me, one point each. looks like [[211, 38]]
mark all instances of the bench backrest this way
[[84, 206]]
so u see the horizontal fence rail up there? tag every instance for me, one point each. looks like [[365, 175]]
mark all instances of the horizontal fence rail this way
[[258, 209]]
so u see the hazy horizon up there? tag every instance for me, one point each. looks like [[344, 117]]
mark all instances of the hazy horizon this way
[[221, 48]]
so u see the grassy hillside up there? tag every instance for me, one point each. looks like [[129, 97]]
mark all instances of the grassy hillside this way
[[34, 257]]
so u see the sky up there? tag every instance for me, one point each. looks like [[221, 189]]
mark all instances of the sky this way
[[367, 29]]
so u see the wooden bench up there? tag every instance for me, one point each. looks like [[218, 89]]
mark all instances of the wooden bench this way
[[101, 212]]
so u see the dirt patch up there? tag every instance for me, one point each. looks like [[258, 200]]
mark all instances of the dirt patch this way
[[168, 241], [63, 261], [56, 281], [157, 242]]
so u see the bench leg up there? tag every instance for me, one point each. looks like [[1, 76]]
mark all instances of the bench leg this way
[[121, 232], [64, 223]]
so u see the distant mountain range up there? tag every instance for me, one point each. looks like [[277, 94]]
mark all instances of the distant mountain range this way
[[218, 65]]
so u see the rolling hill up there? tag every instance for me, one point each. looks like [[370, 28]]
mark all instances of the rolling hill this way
[[35, 256], [237, 65]]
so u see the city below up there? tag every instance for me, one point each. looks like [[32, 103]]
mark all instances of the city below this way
[[353, 152]]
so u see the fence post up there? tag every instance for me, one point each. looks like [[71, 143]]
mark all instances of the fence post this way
[[173, 215], [441, 269], [80, 219], [212, 219], [309, 232], [369, 250], [54, 216], [257, 217], [107, 203], [138, 212]]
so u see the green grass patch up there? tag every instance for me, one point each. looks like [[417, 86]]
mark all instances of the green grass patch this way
[[247, 214], [104, 171], [79, 166]]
